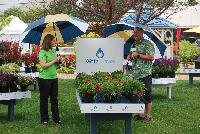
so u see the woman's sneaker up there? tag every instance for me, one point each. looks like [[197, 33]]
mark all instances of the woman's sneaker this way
[[57, 121], [44, 122]]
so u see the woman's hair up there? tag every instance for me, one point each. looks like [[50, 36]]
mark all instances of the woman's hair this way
[[46, 44]]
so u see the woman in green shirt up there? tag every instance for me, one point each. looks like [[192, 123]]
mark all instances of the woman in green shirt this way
[[48, 81]]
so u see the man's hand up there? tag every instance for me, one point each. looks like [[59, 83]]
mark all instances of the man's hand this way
[[135, 54], [129, 57]]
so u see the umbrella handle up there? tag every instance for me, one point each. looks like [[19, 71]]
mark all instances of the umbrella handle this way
[[57, 49]]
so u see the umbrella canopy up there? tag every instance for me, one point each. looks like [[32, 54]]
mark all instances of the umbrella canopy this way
[[125, 31], [62, 26], [193, 30]]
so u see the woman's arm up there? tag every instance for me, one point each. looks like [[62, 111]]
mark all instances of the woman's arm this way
[[45, 65]]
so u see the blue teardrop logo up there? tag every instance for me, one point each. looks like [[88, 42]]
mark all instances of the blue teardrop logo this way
[[100, 53]]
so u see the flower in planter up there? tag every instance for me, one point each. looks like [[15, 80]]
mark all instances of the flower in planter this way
[[133, 87], [10, 52], [111, 88], [188, 52], [163, 67], [8, 82], [3, 83], [87, 91], [117, 74], [101, 77], [34, 58], [26, 58], [25, 81], [81, 77], [9, 68]]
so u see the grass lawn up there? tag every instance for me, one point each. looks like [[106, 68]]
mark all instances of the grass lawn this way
[[180, 115]]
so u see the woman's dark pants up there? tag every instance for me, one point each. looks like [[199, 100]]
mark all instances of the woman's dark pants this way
[[48, 88]]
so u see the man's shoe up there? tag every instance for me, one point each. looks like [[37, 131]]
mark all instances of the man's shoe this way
[[147, 119], [138, 117]]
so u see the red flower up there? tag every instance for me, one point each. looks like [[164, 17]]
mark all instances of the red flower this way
[[84, 91], [34, 58], [97, 86], [71, 58], [26, 59], [86, 81]]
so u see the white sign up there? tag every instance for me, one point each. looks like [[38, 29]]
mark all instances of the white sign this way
[[99, 54]]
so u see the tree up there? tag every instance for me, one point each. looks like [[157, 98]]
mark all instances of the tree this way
[[4, 22], [26, 16], [192, 2], [56, 7], [104, 12], [12, 11]]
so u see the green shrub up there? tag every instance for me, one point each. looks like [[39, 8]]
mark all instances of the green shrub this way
[[188, 52]]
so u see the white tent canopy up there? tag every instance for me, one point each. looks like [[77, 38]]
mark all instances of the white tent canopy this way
[[187, 17], [16, 26], [13, 32]]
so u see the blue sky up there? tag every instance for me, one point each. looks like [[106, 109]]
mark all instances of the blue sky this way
[[10, 3]]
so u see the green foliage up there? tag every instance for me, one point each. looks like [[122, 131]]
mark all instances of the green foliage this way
[[132, 86], [4, 22], [86, 88], [68, 70], [188, 52], [26, 16], [33, 14], [110, 88], [12, 11], [9, 68], [192, 2], [117, 74], [107, 85], [81, 77], [101, 77]]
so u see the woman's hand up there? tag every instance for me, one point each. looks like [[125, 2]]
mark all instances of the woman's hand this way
[[57, 59]]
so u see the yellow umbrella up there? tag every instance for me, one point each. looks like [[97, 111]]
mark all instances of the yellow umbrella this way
[[126, 34], [193, 30]]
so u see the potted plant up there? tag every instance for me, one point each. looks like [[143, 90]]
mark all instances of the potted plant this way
[[3, 83], [9, 68], [133, 89], [25, 81], [164, 67], [87, 91], [81, 77], [8, 83], [188, 52], [26, 58], [110, 90], [34, 60], [10, 52]]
